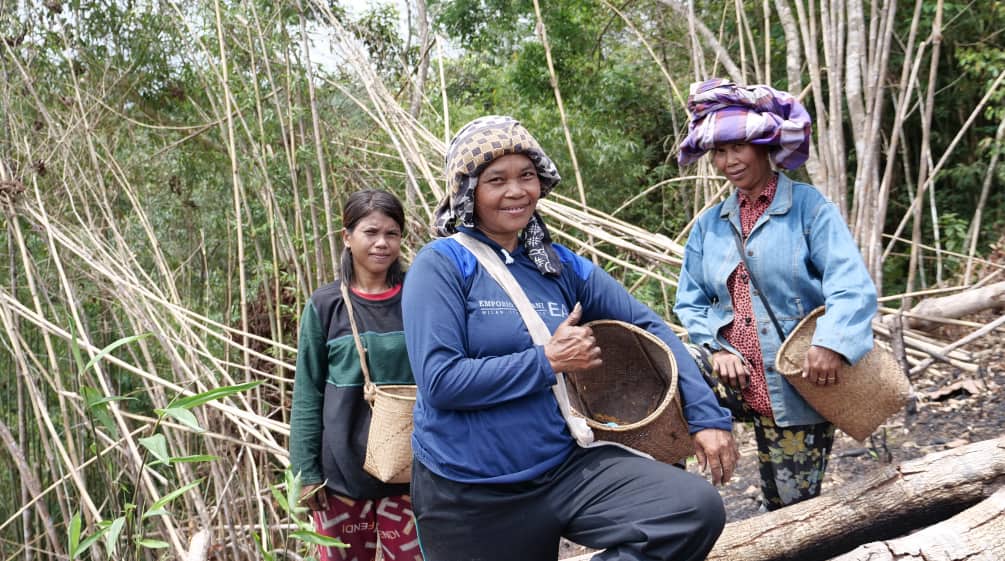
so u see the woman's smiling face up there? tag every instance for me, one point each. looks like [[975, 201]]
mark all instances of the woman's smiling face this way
[[506, 198], [746, 166]]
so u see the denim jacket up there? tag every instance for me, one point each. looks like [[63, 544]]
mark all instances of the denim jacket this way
[[803, 256]]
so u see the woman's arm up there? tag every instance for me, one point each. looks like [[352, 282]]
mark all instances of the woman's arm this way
[[848, 290], [693, 293], [307, 413], [434, 309]]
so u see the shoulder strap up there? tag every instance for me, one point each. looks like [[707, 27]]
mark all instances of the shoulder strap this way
[[488, 259], [753, 281], [539, 332], [369, 390]]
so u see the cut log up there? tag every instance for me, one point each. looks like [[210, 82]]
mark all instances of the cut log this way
[[956, 305], [890, 503], [976, 534]]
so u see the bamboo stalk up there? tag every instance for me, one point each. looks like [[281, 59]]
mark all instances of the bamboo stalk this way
[[974, 231], [960, 342], [542, 32]]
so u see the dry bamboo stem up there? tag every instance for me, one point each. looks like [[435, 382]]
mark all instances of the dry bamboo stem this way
[[945, 156], [699, 30], [960, 342], [543, 34], [974, 231]]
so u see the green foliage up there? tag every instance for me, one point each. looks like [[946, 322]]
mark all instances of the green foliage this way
[[156, 447], [378, 29], [287, 497], [75, 545], [616, 102], [126, 103]]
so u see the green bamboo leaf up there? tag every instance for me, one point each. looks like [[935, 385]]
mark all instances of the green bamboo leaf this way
[[170, 497], [150, 543], [193, 459], [315, 538], [94, 398], [183, 416], [280, 498], [211, 395], [157, 445], [87, 543], [266, 554], [292, 499], [78, 357], [115, 344], [74, 535], [97, 404], [155, 512], [112, 536]]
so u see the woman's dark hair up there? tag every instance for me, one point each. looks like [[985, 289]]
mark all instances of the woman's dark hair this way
[[360, 205]]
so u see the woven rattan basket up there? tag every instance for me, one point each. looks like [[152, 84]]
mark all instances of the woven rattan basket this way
[[632, 399], [866, 394], [389, 442]]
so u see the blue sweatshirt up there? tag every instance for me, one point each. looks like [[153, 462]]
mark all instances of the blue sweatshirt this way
[[485, 411]]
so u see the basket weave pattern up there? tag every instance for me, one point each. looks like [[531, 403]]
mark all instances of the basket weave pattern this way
[[632, 398], [866, 394], [389, 442]]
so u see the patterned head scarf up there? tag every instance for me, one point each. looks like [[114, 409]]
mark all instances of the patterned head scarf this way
[[722, 113], [470, 152]]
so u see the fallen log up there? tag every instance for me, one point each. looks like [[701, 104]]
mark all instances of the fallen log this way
[[914, 494], [956, 305], [890, 503], [976, 534]]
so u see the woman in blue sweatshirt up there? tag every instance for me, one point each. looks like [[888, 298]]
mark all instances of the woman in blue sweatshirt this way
[[498, 475]]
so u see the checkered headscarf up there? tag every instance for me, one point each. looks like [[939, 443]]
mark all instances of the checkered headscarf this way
[[723, 113], [470, 152]]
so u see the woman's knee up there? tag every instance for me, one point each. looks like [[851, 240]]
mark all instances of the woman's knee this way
[[710, 508]]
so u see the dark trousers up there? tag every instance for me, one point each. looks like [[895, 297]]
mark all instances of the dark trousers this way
[[602, 498]]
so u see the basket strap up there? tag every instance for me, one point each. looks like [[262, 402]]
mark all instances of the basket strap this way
[[369, 389], [539, 332], [764, 299]]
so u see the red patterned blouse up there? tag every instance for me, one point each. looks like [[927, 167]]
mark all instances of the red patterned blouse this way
[[742, 332]]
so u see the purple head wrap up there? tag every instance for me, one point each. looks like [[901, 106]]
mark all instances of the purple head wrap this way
[[723, 113]]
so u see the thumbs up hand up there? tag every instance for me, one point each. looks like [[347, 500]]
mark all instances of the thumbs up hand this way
[[573, 348]]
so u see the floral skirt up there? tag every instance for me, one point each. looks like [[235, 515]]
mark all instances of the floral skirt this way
[[792, 460]]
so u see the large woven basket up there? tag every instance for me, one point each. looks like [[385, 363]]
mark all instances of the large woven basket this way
[[632, 399], [389, 442], [866, 394]]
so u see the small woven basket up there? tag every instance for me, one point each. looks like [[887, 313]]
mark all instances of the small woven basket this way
[[867, 393], [632, 398], [389, 442]]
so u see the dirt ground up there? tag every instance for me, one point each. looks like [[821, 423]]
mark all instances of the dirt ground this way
[[954, 408]]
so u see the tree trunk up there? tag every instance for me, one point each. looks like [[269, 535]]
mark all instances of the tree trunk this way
[[892, 502], [976, 534]]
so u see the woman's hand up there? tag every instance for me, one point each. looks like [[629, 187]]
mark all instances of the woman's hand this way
[[717, 453], [821, 365], [573, 348], [731, 369], [314, 496]]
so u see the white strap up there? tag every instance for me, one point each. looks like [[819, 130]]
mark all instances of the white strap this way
[[539, 332]]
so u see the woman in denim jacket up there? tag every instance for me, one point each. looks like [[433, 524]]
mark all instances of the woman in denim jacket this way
[[801, 254]]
